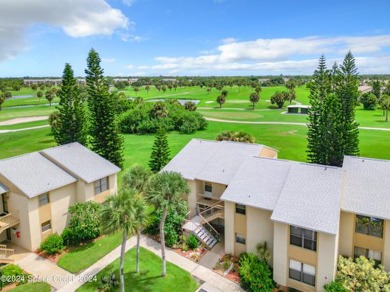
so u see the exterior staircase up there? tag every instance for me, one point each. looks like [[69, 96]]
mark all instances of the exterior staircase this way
[[201, 228], [6, 254]]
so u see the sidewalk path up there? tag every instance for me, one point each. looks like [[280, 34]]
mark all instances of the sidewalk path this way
[[46, 270], [283, 123], [200, 272]]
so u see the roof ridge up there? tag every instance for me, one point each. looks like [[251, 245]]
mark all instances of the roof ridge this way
[[367, 158]]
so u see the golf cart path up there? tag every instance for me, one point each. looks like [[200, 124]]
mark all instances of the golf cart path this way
[[22, 120], [283, 123]]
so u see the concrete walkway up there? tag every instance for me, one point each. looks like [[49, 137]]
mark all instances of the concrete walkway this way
[[45, 270], [213, 279]]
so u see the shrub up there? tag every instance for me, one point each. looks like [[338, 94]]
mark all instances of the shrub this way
[[190, 106], [129, 121], [189, 126], [192, 241], [335, 286], [255, 275], [52, 244], [10, 272], [69, 237], [369, 101], [85, 220]]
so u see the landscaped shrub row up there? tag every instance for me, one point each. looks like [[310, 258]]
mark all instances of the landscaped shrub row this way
[[146, 118]]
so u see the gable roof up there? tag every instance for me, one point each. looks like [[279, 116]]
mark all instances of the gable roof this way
[[310, 198], [33, 174], [258, 182], [81, 162], [367, 187], [190, 160], [215, 161]]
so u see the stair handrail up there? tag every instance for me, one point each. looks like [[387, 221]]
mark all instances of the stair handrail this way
[[216, 233], [211, 208]]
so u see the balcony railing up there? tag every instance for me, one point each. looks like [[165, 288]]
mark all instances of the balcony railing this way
[[8, 221], [6, 254]]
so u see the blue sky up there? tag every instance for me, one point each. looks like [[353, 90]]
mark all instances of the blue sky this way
[[181, 37]]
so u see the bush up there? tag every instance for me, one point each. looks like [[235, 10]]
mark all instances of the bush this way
[[369, 101], [52, 244], [335, 286], [129, 121], [10, 272], [192, 241], [69, 237], [85, 220], [189, 126], [255, 275]]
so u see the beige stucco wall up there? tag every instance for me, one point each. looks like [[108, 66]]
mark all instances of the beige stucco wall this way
[[386, 249], [267, 152], [19, 205], [192, 197], [229, 227], [260, 229], [280, 257], [240, 227], [347, 229], [327, 246], [90, 190], [60, 201]]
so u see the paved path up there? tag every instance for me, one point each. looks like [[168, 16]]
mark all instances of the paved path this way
[[283, 123], [23, 120], [23, 129], [213, 279], [46, 270]]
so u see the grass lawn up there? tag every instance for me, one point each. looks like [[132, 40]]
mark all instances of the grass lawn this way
[[149, 278], [25, 125], [11, 113], [33, 287], [84, 256]]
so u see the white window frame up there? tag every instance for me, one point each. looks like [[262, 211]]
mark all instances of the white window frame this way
[[101, 185], [45, 225]]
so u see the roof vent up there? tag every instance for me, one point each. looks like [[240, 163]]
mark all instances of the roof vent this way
[[223, 170]]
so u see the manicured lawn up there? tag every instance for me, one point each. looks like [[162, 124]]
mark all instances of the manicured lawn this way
[[84, 256], [149, 278], [11, 113], [33, 287], [25, 125]]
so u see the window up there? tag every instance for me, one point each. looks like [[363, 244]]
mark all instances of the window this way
[[46, 226], [302, 272], [303, 238], [43, 199], [240, 209], [369, 226], [240, 238], [208, 188], [369, 253], [101, 185]]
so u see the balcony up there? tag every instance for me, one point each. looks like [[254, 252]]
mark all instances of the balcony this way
[[8, 221]]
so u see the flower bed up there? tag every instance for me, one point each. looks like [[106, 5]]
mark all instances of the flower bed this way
[[227, 266], [193, 254]]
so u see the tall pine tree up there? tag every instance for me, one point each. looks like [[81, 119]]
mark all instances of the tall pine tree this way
[[72, 125], [320, 87], [160, 151], [332, 129], [346, 89], [106, 139]]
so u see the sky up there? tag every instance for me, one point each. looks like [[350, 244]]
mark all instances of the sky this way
[[191, 38]]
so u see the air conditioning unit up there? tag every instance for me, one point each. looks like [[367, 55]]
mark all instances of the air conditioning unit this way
[[208, 194]]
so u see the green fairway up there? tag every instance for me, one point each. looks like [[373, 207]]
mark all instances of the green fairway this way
[[25, 125], [149, 278], [11, 113]]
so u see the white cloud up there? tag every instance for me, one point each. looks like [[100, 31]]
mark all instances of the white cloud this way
[[228, 40], [126, 37], [108, 60], [285, 55], [130, 66], [79, 18], [128, 2]]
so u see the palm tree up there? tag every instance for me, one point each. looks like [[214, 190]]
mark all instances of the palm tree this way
[[141, 218], [165, 191], [136, 177], [119, 213]]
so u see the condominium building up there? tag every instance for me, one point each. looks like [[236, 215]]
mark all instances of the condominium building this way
[[37, 189], [308, 214]]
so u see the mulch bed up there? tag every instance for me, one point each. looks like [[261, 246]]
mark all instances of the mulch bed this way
[[223, 265], [192, 254]]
